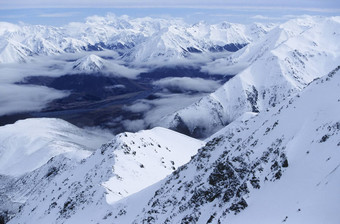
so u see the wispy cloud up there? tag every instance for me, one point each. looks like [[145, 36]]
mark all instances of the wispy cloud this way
[[261, 17], [58, 15], [183, 84], [18, 98], [13, 16], [216, 4], [227, 15], [154, 110]]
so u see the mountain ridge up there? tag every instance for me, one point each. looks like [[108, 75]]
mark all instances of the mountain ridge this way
[[281, 63], [120, 34]]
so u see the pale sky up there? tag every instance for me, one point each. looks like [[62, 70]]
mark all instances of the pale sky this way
[[166, 3], [59, 12]]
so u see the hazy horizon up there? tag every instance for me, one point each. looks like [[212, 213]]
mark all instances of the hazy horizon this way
[[62, 12]]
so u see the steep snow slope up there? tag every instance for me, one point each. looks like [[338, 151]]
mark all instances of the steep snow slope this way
[[153, 155], [172, 43], [14, 191], [279, 166], [127, 164], [12, 51], [282, 62], [28, 144]]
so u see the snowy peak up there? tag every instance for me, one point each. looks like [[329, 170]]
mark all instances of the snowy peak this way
[[281, 63], [134, 38], [90, 63], [8, 27], [13, 51], [151, 155], [123, 166], [171, 43]]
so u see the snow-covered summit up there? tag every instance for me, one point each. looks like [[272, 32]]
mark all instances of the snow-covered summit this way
[[151, 154], [89, 63], [125, 165], [28, 144]]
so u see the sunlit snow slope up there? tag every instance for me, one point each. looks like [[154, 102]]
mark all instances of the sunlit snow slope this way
[[284, 61], [28, 144], [123, 166]]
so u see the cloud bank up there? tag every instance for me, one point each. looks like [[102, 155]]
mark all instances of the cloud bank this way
[[17, 98], [154, 110], [182, 84]]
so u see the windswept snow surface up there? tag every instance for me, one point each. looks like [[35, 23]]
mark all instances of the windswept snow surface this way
[[282, 62], [28, 144]]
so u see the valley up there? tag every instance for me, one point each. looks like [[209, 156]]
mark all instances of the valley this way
[[95, 100]]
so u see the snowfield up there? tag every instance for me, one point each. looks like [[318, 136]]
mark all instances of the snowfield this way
[[28, 144]]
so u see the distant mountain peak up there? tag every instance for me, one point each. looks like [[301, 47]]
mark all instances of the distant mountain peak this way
[[89, 63]]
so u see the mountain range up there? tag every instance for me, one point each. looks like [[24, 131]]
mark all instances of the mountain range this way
[[282, 63], [269, 137], [136, 40]]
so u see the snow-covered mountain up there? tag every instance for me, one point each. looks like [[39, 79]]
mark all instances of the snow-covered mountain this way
[[121, 167], [32, 150], [12, 51], [89, 64], [138, 40], [28, 144], [175, 42], [281, 63], [278, 166]]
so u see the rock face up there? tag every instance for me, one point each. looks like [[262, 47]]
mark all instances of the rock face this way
[[282, 62]]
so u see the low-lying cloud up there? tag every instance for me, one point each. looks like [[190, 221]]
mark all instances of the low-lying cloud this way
[[222, 67], [139, 107], [18, 98], [183, 84], [154, 110]]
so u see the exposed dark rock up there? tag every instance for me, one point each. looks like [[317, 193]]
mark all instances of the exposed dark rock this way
[[238, 206]]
